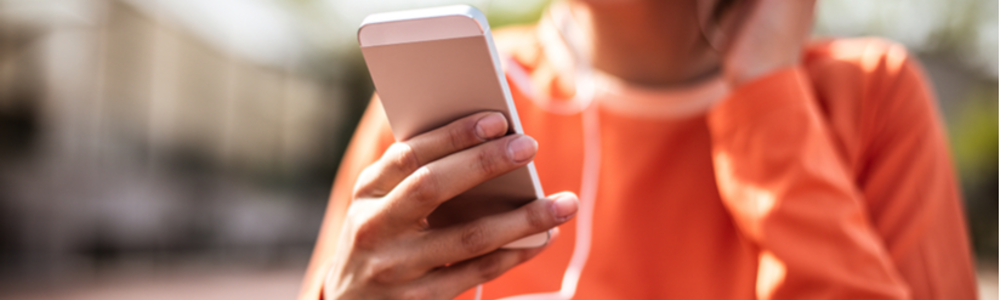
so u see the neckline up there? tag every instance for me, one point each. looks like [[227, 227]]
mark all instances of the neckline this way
[[623, 98], [612, 93]]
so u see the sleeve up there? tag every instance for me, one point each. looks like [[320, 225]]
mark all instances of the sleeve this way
[[792, 196], [370, 140], [911, 188]]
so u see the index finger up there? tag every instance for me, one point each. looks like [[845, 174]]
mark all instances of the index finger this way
[[403, 158]]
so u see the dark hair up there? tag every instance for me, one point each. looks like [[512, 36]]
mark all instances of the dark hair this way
[[713, 31], [721, 8]]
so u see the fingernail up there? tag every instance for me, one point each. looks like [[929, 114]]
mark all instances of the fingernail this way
[[522, 148], [564, 206], [553, 234], [491, 126]]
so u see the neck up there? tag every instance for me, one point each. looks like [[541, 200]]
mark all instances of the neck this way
[[646, 43]]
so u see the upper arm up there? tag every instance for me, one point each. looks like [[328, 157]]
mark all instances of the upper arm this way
[[883, 115], [910, 186]]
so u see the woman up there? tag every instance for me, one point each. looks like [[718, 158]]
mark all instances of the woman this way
[[722, 155]]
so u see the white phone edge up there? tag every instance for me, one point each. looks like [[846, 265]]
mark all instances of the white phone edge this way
[[427, 25]]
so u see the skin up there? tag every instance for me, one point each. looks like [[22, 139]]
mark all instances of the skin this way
[[659, 43], [386, 250], [647, 43]]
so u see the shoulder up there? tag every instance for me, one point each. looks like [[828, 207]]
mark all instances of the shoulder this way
[[870, 90], [872, 65], [860, 51]]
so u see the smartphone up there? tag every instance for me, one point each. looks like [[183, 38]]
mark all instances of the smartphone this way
[[434, 66]]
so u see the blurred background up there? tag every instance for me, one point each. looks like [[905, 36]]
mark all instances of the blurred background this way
[[185, 148]]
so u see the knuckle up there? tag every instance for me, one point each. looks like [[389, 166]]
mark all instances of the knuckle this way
[[537, 217], [424, 188], [458, 137], [474, 240], [356, 215], [490, 267], [488, 163], [384, 271], [403, 157], [364, 187], [366, 233]]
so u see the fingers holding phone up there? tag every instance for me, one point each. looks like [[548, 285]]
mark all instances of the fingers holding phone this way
[[401, 159], [445, 209], [387, 248]]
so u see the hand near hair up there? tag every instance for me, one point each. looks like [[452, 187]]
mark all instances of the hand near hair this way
[[771, 37]]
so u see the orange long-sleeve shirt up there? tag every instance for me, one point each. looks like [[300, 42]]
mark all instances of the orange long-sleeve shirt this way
[[828, 180]]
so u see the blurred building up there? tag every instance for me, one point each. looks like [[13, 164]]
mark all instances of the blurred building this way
[[128, 130]]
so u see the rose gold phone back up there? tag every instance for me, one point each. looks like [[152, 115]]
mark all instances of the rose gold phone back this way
[[424, 85]]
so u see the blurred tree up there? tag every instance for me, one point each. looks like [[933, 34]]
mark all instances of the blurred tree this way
[[974, 145]]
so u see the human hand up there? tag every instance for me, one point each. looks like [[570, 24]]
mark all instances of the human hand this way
[[766, 36], [386, 249]]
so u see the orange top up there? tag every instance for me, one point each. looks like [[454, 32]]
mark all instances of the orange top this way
[[828, 180]]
